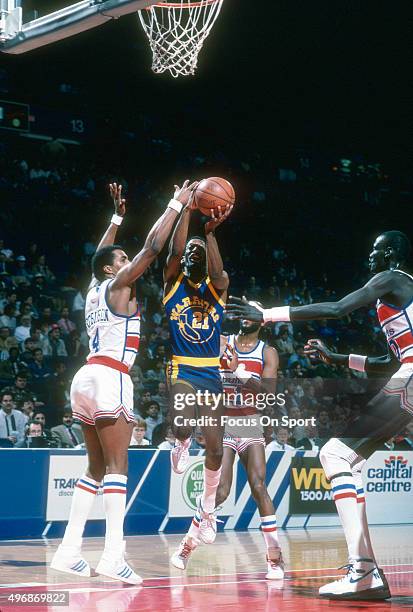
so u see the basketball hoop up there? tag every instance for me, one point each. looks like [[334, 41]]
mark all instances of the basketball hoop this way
[[176, 33]]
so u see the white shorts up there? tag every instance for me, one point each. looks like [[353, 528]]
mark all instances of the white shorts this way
[[239, 445], [100, 392], [401, 384]]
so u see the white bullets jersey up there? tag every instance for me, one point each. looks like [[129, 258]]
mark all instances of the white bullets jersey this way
[[110, 335]]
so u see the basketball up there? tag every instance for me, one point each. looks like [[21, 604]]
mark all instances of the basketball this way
[[213, 192]]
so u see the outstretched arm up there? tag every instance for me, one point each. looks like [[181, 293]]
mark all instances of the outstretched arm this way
[[316, 349], [154, 242], [177, 243], [378, 286], [109, 236], [216, 272]]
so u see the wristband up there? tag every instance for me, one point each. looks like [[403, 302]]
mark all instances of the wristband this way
[[242, 374], [279, 313], [116, 219], [357, 362], [176, 205]]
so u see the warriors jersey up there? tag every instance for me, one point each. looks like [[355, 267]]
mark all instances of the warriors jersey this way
[[195, 313], [110, 334], [397, 324], [239, 399]]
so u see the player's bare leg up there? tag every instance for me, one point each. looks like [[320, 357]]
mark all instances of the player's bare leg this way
[[253, 459], [180, 411], [68, 556], [189, 543]]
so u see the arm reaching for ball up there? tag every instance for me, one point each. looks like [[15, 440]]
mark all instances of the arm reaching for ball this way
[[316, 349], [216, 272]]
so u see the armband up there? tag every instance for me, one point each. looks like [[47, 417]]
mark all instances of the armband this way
[[116, 219], [357, 362], [279, 313], [176, 205]]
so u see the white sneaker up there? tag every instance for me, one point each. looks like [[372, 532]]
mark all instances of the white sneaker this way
[[180, 456], [69, 559], [207, 524], [113, 565], [180, 557], [275, 567], [362, 581]]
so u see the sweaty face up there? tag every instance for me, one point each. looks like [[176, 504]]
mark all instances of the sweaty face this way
[[195, 256], [377, 261]]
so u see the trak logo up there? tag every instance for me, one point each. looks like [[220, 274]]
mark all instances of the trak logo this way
[[395, 462]]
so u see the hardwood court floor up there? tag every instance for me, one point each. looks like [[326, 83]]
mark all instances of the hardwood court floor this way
[[228, 575]]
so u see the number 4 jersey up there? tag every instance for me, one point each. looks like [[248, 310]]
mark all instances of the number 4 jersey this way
[[110, 334]]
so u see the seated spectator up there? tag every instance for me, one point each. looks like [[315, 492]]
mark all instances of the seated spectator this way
[[169, 441], [280, 442], [153, 418], [198, 441], [19, 389], [66, 325], [38, 369], [42, 268], [54, 346], [161, 396], [284, 346], [143, 400], [20, 271], [324, 424], [22, 331], [40, 417], [138, 434], [12, 421], [34, 436], [300, 357], [8, 318], [407, 437], [311, 441], [10, 367], [27, 405], [68, 434], [7, 340]]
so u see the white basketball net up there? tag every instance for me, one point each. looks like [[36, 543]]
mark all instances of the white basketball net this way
[[176, 33]]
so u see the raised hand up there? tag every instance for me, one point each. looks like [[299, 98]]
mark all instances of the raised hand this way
[[316, 349], [218, 216], [118, 202], [185, 194], [231, 356], [240, 308]]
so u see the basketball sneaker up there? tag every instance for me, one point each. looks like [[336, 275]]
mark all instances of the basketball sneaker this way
[[275, 565], [207, 524], [180, 456], [113, 565], [68, 559], [362, 581], [180, 557]]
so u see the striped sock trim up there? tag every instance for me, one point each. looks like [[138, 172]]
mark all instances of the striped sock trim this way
[[268, 524], [113, 484], [360, 496], [89, 485], [343, 491]]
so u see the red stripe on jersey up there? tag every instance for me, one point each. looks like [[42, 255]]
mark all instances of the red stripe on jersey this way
[[405, 340], [255, 367], [132, 342]]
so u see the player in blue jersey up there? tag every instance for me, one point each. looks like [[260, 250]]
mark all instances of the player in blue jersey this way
[[195, 291]]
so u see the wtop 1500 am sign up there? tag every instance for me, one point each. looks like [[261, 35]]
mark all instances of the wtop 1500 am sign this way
[[310, 492]]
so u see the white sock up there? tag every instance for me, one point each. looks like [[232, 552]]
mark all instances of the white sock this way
[[193, 530], [82, 502], [345, 497], [269, 531], [361, 506], [114, 501], [211, 482]]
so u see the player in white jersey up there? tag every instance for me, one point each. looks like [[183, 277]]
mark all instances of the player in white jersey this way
[[385, 415], [102, 391], [248, 372]]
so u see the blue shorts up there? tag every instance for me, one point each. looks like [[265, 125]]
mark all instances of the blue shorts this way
[[199, 378]]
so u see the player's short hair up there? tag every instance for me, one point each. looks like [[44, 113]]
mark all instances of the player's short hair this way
[[197, 238], [400, 243], [103, 257]]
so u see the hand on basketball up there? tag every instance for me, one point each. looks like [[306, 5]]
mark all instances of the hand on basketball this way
[[315, 349], [218, 216], [185, 194], [231, 356], [118, 202], [239, 308]]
